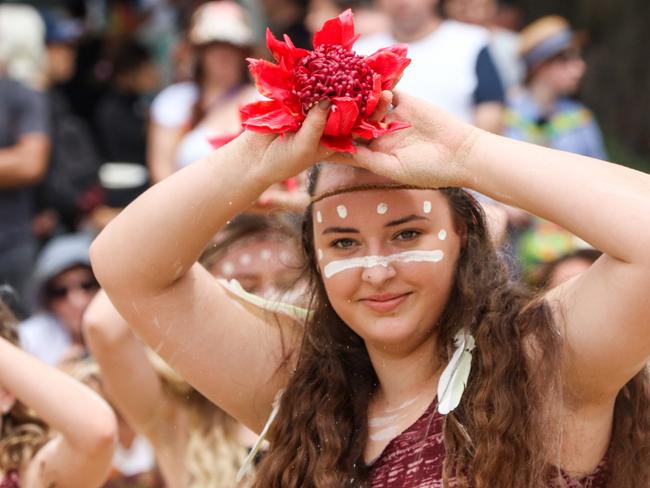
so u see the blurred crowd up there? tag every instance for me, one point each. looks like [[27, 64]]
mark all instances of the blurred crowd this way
[[100, 102]]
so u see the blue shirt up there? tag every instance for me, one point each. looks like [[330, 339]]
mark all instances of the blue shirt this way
[[570, 126]]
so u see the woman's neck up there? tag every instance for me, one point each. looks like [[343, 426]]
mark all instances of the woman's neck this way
[[404, 376], [213, 91], [544, 96]]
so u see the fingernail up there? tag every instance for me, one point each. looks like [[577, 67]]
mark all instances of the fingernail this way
[[325, 104]]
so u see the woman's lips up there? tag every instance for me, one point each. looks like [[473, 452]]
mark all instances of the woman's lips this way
[[384, 303]]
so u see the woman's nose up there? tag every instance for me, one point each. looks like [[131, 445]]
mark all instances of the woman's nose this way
[[378, 274]]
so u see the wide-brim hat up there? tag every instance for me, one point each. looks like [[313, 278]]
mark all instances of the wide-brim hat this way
[[544, 39], [221, 21]]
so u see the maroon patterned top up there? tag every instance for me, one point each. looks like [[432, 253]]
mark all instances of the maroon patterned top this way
[[414, 459], [10, 480]]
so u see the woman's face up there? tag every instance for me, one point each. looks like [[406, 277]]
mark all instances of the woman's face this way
[[223, 62], [69, 293], [387, 257], [266, 266], [563, 73]]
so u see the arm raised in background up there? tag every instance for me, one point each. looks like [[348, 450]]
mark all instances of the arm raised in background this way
[[133, 385], [81, 453], [237, 356]]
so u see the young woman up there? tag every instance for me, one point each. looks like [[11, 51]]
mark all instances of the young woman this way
[[81, 451], [196, 443], [407, 293]]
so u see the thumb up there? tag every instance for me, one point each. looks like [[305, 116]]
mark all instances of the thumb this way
[[314, 124]]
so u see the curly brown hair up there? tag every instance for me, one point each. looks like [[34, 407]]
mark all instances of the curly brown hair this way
[[22, 433], [501, 429]]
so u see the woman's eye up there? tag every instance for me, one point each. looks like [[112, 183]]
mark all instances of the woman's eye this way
[[407, 235], [343, 243]]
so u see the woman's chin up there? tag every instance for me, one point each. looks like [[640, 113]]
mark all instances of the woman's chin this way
[[388, 332]]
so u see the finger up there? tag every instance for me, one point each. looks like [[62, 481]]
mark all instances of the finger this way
[[308, 136], [383, 106], [374, 161]]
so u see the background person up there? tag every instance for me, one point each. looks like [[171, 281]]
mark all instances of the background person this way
[[63, 285], [451, 66], [543, 111], [186, 115], [196, 443], [503, 44], [71, 441]]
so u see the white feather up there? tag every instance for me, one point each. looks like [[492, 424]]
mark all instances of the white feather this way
[[454, 378], [260, 440]]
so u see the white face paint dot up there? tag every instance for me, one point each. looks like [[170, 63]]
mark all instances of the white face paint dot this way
[[245, 259], [442, 235], [320, 254], [426, 207], [382, 208], [319, 217], [266, 254], [228, 268], [342, 211]]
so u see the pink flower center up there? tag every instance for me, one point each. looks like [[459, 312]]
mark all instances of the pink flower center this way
[[332, 71]]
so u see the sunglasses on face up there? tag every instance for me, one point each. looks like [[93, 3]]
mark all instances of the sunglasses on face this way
[[61, 292]]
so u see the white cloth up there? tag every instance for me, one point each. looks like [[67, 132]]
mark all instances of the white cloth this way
[[443, 65], [172, 107], [504, 45], [43, 336], [193, 146], [139, 458]]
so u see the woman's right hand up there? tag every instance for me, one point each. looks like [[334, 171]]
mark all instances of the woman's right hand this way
[[279, 157], [431, 153]]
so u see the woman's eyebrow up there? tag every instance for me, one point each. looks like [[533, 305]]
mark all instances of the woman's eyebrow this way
[[404, 220], [340, 230]]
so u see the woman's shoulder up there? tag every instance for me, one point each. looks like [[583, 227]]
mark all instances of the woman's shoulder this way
[[173, 105]]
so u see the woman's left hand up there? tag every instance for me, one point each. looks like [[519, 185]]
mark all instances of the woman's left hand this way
[[431, 153]]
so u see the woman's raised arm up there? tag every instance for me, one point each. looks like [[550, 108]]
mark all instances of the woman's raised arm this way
[[81, 454], [145, 260], [605, 312]]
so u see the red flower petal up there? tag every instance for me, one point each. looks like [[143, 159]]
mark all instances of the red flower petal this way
[[218, 141], [374, 95], [339, 30], [285, 53], [269, 117], [390, 63], [340, 143], [367, 129], [271, 80], [342, 116]]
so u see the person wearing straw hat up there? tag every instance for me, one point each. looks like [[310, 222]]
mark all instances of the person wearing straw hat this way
[[543, 112], [186, 114]]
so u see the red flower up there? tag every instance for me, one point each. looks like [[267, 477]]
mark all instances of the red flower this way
[[302, 78]]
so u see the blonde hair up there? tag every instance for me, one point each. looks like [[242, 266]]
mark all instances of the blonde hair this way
[[22, 433], [213, 454]]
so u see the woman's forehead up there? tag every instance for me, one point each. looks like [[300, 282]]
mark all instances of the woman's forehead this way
[[384, 203], [333, 176]]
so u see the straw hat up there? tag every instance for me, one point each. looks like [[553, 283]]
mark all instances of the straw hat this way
[[545, 38], [221, 21]]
